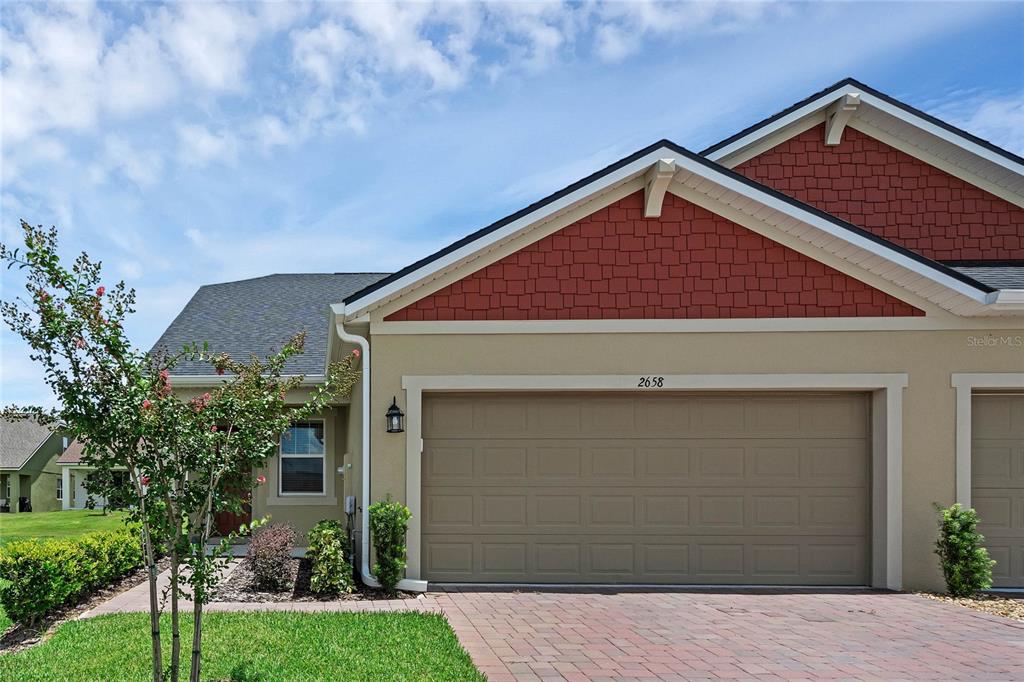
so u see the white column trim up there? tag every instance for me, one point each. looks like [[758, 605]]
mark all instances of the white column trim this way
[[965, 385], [65, 478], [887, 430]]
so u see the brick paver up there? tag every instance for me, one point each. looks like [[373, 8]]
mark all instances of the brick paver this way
[[669, 635]]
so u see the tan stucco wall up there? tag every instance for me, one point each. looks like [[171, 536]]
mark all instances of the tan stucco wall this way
[[303, 511], [41, 474], [928, 357]]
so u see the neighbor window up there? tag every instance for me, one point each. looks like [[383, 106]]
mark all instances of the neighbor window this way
[[302, 459], [60, 487]]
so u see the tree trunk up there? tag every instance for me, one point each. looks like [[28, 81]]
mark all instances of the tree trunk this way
[[175, 629], [197, 635], [154, 606]]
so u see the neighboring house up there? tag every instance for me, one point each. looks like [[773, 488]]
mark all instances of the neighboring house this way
[[74, 472], [29, 478], [762, 364]]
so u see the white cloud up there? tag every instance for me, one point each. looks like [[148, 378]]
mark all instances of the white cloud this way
[[138, 165], [200, 146], [993, 117]]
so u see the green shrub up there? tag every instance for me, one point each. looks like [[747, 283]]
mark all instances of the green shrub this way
[[43, 575], [270, 555], [965, 563], [388, 524], [332, 574]]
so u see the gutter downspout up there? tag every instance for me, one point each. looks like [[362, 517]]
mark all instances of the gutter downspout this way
[[364, 348]]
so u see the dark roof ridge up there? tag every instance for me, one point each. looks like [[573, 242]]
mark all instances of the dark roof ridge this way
[[698, 158], [949, 127]]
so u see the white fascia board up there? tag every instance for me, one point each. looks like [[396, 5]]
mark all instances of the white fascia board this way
[[942, 133], [867, 98], [779, 124], [830, 228], [354, 309], [213, 380], [686, 165]]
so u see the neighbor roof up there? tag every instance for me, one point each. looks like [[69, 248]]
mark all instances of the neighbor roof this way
[[19, 440], [258, 316], [73, 454]]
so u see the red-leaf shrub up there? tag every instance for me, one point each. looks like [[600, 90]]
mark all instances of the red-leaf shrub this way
[[269, 556]]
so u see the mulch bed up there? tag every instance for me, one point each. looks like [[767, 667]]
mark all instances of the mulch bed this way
[[18, 637], [240, 586], [994, 604]]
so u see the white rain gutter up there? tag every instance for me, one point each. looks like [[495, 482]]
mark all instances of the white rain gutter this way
[[1008, 300], [364, 348]]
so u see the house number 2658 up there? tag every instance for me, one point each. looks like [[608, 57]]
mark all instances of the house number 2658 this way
[[651, 382]]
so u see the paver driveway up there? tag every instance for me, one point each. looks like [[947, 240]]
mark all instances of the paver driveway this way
[[731, 635], [672, 635]]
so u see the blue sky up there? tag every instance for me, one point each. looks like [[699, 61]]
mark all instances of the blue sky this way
[[188, 144]]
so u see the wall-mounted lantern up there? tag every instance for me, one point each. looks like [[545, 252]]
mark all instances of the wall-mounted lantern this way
[[394, 417]]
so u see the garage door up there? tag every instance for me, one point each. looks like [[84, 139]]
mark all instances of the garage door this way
[[997, 482], [605, 488]]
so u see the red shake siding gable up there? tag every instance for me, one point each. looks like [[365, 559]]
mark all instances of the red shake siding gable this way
[[688, 264], [892, 194]]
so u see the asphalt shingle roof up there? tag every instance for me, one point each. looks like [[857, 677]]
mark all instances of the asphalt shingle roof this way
[[259, 315], [996, 276], [19, 439]]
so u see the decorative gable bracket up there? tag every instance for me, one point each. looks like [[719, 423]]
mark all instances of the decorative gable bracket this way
[[839, 114], [657, 181]]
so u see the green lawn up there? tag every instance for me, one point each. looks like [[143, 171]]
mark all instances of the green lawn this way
[[256, 646], [58, 524]]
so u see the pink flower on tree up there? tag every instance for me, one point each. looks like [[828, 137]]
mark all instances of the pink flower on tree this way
[[220, 370], [43, 296], [146, 404], [144, 480], [261, 479], [165, 375], [80, 343], [101, 291], [355, 352], [213, 429]]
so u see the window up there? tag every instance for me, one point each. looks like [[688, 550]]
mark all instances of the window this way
[[302, 459], [60, 487]]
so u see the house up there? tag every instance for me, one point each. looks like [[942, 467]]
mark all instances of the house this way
[[29, 479], [74, 472], [760, 364]]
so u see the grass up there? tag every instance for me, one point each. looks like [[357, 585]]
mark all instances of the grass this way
[[256, 646], [58, 524]]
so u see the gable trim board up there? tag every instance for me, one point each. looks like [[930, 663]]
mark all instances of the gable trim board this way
[[703, 181], [999, 170]]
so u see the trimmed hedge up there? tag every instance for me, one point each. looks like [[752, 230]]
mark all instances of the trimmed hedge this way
[[44, 575], [332, 574]]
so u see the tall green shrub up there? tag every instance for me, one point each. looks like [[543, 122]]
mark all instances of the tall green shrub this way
[[332, 573], [389, 522], [966, 565], [43, 575]]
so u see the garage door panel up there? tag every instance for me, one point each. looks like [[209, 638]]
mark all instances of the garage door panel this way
[[997, 481], [663, 489]]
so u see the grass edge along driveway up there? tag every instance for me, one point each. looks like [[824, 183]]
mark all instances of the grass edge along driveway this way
[[256, 645]]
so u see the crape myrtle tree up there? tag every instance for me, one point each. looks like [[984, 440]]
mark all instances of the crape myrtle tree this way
[[185, 459]]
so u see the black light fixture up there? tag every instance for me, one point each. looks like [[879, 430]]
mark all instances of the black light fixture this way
[[394, 417]]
